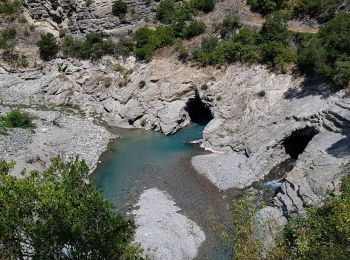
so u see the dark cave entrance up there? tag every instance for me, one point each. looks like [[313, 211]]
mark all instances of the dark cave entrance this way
[[198, 111], [296, 143]]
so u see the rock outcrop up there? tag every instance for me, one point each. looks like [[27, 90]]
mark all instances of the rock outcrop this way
[[255, 112], [56, 133]]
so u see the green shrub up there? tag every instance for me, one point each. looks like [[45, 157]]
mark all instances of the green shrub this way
[[7, 38], [166, 11], [94, 46], [277, 55], [9, 7], [193, 29], [262, 93], [328, 53], [124, 47], [47, 46], [266, 6], [147, 40], [183, 53], [204, 5], [275, 27], [17, 119], [316, 8], [62, 215], [228, 26], [324, 233], [142, 84], [119, 8]]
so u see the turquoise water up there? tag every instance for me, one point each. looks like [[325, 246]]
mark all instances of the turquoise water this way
[[146, 159]]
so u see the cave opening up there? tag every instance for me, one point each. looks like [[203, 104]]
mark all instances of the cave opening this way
[[198, 111], [296, 143]]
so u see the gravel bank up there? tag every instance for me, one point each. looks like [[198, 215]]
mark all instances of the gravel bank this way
[[162, 231]]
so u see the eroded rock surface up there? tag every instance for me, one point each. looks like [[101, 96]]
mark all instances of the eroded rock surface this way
[[56, 133], [162, 231]]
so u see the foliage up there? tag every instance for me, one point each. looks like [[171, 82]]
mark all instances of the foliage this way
[[328, 53], [5, 167], [147, 40], [275, 28], [324, 233], [59, 215], [166, 11], [228, 26], [7, 38], [10, 7], [246, 244], [17, 119], [47, 46], [94, 46], [142, 84], [119, 8], [193, 29], [204, 5], [278, 55], [316, 8], [183, 53], [266, 6]]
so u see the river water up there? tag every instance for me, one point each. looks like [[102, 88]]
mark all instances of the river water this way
[[146, 159]]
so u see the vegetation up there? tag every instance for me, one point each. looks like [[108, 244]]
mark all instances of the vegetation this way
[[322, 10], [142, 84], [204, 5], [166, 11], [94, 46], [328, 53], [228, 26], [193, 29], [57, 214], [17, 119], [148, 40], [316, 8], [119, 8], [48, 46], [10, 7], [323, 234], [7, 38]]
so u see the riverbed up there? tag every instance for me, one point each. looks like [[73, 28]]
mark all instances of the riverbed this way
[[140, 160]]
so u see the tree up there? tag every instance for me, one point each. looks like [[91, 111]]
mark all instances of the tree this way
[[47, 46], [275, 28], [119, 8], [59, 215], [166, 11]]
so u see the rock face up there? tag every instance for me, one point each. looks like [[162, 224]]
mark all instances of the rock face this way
[[56, 133], [252, 132], [163, 232], [79, 17]]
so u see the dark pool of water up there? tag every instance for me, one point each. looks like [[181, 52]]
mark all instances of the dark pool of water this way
[[146, 159]]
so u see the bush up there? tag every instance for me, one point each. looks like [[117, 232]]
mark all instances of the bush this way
[[204, 5], [9, 7], [47, 46], [119, 8], [316, 8], [277, 55], [328, 53], [193, 29], [142, 84], [58, 214], [94, 46], [147, 40], [266, 6], [325, 233], [17, 119], [228, 26], [275, 27], [166, 11], [7, 38]]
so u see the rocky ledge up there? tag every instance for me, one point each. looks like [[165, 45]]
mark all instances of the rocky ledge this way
[[56, 133]]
